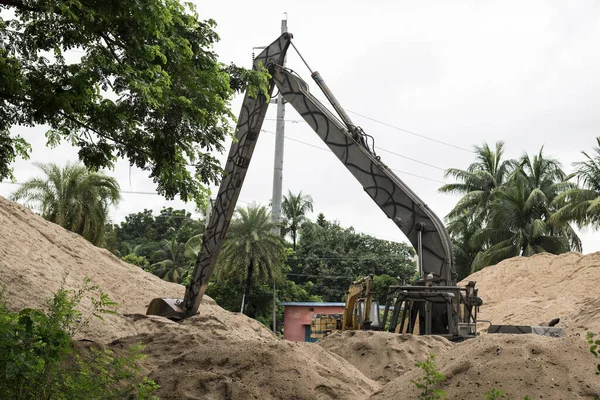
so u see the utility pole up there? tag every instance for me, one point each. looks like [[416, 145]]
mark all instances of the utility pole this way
[[279, 146], [278, 171]]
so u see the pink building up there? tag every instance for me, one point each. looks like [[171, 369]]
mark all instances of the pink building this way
[[297, 315]]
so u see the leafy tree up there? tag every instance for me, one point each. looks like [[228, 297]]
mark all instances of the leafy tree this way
[[546, 178], [516, 226], [173, 264], [111, 238], [581, 205], [72, 197], [137, 227], [381, 283], [144, 227], [332, 257], [321, 221], [148, 87], [294, 209], [251, 250], [140, 261], [462, 228], [507, 208], [479, 181]]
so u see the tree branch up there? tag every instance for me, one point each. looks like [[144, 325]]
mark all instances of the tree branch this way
[[17, 4]]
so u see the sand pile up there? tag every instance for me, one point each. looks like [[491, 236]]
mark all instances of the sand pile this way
[[383, 356], [519, 365], [536, 289], [35, 255], [215, 355], [197, 366]]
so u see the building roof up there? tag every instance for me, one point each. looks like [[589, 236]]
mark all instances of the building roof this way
[[311, 304]]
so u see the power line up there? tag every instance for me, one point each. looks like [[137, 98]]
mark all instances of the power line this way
[[411, 132], [295, 121], [383, 150], [327, 150]]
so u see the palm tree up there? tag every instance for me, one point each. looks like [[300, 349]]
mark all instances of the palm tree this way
[[172, 266], [479, 181], [516, 227], [462, 229], [251, 250], [582, 204], [294, 209], [72, 197], [547, 180]]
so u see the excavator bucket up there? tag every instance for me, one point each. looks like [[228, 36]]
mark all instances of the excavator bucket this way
[[168, 308]]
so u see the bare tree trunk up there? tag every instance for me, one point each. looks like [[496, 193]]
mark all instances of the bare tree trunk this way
[[294, 239], [248, 285]]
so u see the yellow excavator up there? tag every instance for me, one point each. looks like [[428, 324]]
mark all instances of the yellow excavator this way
[[360, 312]]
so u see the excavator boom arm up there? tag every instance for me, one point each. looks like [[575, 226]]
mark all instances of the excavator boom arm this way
[[247, 131], [390, 193]]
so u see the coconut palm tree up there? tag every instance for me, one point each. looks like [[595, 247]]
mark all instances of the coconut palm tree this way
[[72, 197], [516, 226], [462, 228], [294, 209], [546, 178], [479, 181], [172, 266], [251, 250], [581, 205]]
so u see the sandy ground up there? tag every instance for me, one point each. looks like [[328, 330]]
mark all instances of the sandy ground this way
[[383, 356], [537, 289], [223, 355]]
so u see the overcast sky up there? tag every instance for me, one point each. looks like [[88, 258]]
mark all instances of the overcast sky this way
[[461, 72]]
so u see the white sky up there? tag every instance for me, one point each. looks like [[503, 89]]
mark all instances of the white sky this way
[[462, 72]]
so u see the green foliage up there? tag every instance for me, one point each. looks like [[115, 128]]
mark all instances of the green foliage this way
[[140, 261], [381, 283], [581, 205], [294, 208], [148, 88], [72, 197], [39, 359], [507, 209], [333, 257], [594, 345], [431, 378], [495, 394], [251, 250]]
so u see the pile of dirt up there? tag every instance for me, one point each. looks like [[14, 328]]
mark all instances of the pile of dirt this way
[[383, 356], [519, 365], [196, 366], [216, 354], [534, 290]]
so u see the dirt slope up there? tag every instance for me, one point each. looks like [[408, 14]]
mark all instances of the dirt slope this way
[[536, 289], [519, 365], [196, 366], [215, 355], [383, 356]]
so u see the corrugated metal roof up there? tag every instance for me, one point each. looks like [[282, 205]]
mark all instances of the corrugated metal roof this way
[[311, 304]]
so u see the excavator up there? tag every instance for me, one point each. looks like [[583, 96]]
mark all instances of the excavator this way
[[360, 312], [434, 300], [431, 304]]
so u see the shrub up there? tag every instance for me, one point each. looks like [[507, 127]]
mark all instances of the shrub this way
[[40, 360]]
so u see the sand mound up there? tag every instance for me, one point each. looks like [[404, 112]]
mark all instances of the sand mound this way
[[197, 366], [35, 254], [383, 356], [214, 355], [534, 290], [519, 365]]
